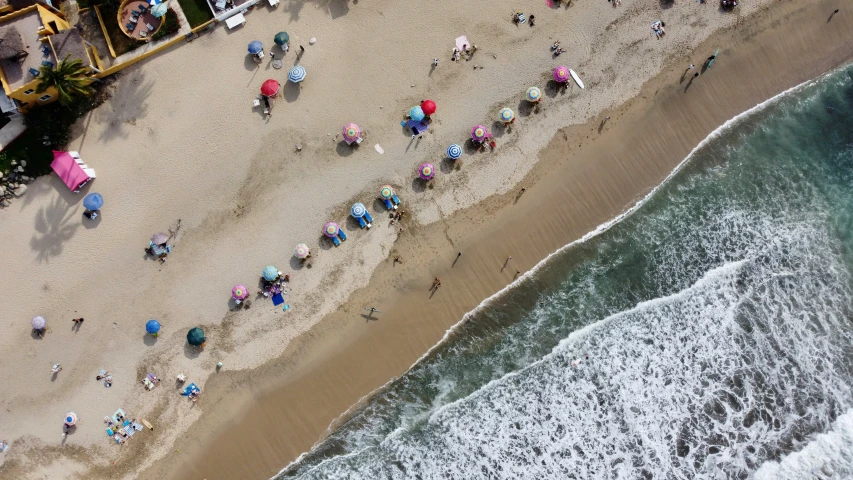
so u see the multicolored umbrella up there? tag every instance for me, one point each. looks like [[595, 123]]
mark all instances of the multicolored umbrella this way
[[39, 322], [454, 151], [70, 418], [506, 115], [302, 251], [152, 326], [479, 133], [297, 74], [159, 238], [417, 113], [255, 47], [427, 171], [561, 74], [270, 273], [428, 106], [331, 229], [281, 38], [533, 94], [239, 292], [386, 192], [358, 210], [196, 336], [93, 201], [351, 132], [270, 88]]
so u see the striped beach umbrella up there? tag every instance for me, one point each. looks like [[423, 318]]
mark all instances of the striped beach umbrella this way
[[428, 106], [281, 38], [427, 171], [93, 201], [297, 74], [351, 132], [416, 113], [358, 210], [386, 192], [506, 115], [239, 292], [70, 418], [331, 229], [302, 251], [39, 322], [533, 94], [255, 47], [152, 326], [270, 273], [270, 87], [561, 74], [454, 151], [479, 133]]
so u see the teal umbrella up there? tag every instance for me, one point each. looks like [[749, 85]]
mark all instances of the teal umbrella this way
[[270, 273], [195, 336], [281, 38]]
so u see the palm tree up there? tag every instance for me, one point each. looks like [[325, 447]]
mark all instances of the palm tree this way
[[68, 78]]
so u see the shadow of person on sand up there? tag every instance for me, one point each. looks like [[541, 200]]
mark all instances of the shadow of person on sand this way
[[690, 82]]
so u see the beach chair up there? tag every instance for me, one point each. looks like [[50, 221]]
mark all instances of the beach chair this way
[[47, 64], [129, 27], [341, 234], [149, 26], [336, 241], [149, 385], [395, 198], [361, 221], [34, 72], [369, 218], [143, 8], [110, 432], [388, 204], [134, 12], [45, 50], [143, 34]]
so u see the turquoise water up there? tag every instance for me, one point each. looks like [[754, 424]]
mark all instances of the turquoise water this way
[[707, 334]]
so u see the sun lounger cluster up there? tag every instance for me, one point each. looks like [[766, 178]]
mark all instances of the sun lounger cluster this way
[[334, 231], [389, 197], [121, 429]]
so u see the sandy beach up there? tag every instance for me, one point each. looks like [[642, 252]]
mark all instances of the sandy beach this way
[[180, 140]]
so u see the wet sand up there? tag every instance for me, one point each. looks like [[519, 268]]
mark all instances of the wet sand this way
[[256, 422]]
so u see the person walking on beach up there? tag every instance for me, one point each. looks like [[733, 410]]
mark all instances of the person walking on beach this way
[[458, 254], [833, 14], [691, 67]]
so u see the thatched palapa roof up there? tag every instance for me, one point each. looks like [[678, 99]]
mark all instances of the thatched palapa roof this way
[[11, 44]]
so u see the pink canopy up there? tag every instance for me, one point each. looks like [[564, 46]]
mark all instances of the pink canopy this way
[[68, 170]]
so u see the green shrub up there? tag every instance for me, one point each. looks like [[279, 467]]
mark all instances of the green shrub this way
[[170, 26], [196, 11]]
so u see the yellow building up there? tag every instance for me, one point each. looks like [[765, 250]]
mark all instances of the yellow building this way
[[36, 36]]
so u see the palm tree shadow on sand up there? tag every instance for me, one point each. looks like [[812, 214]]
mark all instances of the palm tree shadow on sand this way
[[53, 227]]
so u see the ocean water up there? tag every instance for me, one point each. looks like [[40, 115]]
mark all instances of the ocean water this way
[[707, 334]]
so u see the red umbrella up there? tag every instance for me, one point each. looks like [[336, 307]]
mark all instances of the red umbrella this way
[[269, 88], [428, 106]]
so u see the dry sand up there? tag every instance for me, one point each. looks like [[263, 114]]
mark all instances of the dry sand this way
[[179, 141]]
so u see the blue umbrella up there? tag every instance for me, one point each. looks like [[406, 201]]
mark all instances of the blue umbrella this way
[[255, 47], [152, 327], [159, 10], [454, 151], [417, 113], [270, 273], [93, 201], [297, 74], [358, 210]]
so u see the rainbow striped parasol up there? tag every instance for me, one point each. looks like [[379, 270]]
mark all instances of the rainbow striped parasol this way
[[561, 74], [479, 133], [454, 151], [533, 94], [386, 192], [427, 171], [239, 292], [351, 132], [507, 115], [302, 251], [331, 229]]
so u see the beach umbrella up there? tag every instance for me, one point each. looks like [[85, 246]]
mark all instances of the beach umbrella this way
[[297, 74], [255, 47], [561, 74], [270, 87], [428, 106], [506, 115], [416, 113], [386, 192], [152, 326], [454, 151], [427, 171], [479, 133], [39, 322], [155, 2], [195, 336], [331, 229], [281, 38], [302, 251], [351, 132], [358, 210], [93, 201], [239, 292], [70, 418], [533, 94], [159, 10], [159, 239], [270, 273]]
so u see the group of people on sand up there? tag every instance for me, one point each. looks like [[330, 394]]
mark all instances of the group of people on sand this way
[[658, 28], [467, 50], [274, 286]]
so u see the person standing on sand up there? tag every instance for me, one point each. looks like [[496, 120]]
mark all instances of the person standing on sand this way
[[833, 14], [458, 254]]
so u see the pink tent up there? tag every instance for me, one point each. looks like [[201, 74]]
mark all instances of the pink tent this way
[[69, 170]]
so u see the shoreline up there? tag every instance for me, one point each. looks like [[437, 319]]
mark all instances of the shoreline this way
[[290, 402]]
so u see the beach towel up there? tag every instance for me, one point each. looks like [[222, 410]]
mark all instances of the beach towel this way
[[116, 414], [521, 18], [417, 127], [137, 426], [277, 299], [129, 431]]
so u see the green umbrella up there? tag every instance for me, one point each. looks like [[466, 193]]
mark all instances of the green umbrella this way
[[281, 38], [195, 336]]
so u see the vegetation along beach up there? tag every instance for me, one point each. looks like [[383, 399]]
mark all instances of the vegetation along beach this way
[[376, 239]]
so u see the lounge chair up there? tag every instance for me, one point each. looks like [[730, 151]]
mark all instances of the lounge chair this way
[[47, 64], [129, 27], [361, 221], [110, 432], [388, 204], [369, 218], [341, 234], [143, 8], [34, 72], [395, 198], [149, 26], [134, 12], [336, 241]]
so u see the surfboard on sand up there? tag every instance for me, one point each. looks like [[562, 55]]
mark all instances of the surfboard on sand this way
[[576, 78]]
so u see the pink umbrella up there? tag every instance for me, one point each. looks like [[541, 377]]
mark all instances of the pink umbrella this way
[[427, 171], [351, 132], [479, 133], [561, 74], [239, 292]]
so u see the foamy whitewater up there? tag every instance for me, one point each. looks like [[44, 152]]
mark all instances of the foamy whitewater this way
[[706, 335]]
